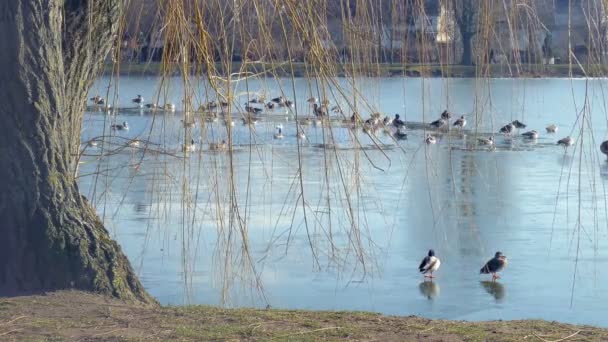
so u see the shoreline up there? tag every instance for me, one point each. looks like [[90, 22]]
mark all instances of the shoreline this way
[[74, 315], [384, 70]]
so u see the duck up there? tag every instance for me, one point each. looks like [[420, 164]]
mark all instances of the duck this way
[[318, 110], [138, 100], [305, 122], [446, 115], [270, 105], [507, 129], [256, 100], [518, 124], [229, 122], [278, 100], [460, 122], [92, 143], [429, 264], [336, 109], [567, 141], [134, 143], [400, 134], [387, 121], [312, 100], [151, 106], [218, 146], [120, 127], [279, 133], [397, 122], [189, 147], [486, 141], [430, 139], [169, 107], [494, 265], [604, 147], [253, 110], [533, 134], [98, 100], [552, 128], [438, 123]]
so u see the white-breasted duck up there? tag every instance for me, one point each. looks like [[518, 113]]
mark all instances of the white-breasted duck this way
[[518, 124], [494, 265], [552, 128], [439, 123], [446, 115], [533, 134], [138, 100], [460, 122], [486, 141], [120, 127], [429, 264], [430, 139], [507, 129]]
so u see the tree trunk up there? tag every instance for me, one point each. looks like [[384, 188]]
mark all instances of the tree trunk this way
[[467, 49], [50, 237]]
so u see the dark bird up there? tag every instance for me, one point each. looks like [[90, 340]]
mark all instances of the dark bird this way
[[507, 129], [445, 115], [120, 127], [253, 110], [278, 100], [518, 124], [397, 122], [429, 264], [270, 105], [139, 100], [604, 147], [567, 141], [98, 100], [438, 123], [533, 134], [494, 265]]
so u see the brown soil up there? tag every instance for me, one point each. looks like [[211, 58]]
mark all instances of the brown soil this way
[[77, 316]]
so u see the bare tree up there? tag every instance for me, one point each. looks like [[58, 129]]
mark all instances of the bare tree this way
[[466, 13], [51, 238]]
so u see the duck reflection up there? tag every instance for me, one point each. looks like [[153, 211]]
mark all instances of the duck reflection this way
[[496, 289], [604, 170], [429, 289]]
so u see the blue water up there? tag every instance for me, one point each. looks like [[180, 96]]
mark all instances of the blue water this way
[[371, 214]]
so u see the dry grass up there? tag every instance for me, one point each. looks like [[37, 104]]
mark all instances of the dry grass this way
[[77, 316]]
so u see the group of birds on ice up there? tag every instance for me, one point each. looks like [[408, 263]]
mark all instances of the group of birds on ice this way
[[431, 263]]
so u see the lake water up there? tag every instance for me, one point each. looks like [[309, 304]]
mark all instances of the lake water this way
[[247, 228]]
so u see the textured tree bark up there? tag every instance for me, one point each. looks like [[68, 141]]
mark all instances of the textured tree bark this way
[[50, 237]]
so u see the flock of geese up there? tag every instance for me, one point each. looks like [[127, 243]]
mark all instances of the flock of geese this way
[[394, 126], [431, 263]]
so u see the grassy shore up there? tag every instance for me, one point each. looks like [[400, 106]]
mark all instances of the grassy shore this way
[[387, 70], [74, 316]]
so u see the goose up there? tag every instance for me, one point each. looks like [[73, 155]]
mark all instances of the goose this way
[[494, 265], [189, 147], [429, 264], [438, 123], [507, 129], [400, 134], [486, 141], [460, 122], [604, 147], [218, 146], [430, 139], [533, 134], [567, 141], [134, 143], [397, 122], [518, 124], [279, 133], [446, 115], [552, 128], [120, 127], [138, 100]]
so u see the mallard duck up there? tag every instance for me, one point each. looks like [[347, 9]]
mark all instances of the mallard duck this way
[[446, 115], [191, 147], [460, 122], [98, 100], [552, 128], [507, 129], [438, 123], [279, 133], [430, 139], [494, 265], [138, 100], [604, 147], [567, 141], [120, 127], [429, 264], [518, 124], [218, 146], [530, 134], [486, 141]]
